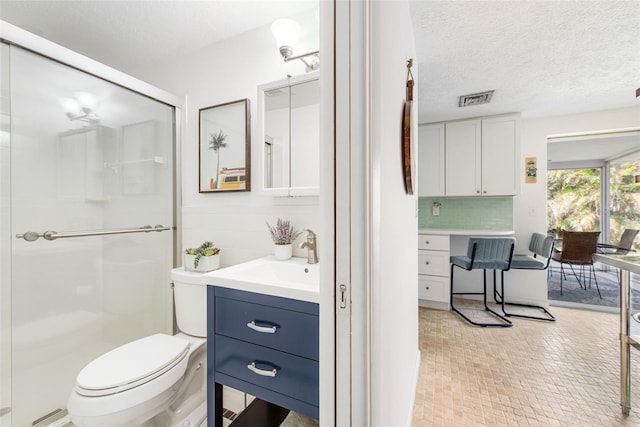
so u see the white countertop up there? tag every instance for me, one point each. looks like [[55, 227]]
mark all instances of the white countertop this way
[[293, 278], [629, 262], [464, 232]]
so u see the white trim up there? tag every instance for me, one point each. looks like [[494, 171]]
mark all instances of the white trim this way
[[412, 401], [578, 164], [19, 37], [595, 134], [327, 254]]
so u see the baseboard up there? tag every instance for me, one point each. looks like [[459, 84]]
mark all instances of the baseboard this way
[[576, 305], [412, 401], [433, 304]]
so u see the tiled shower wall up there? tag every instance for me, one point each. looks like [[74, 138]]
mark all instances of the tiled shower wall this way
[[472, 213]]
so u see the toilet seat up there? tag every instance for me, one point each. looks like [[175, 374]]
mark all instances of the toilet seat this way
[[131, 365]]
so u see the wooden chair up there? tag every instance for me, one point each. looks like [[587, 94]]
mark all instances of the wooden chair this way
[[578, 248], [541, 247]]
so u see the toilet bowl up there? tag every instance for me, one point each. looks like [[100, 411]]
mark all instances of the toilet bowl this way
[[159, 380]]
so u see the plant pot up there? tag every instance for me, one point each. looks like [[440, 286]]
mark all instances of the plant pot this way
[[206, 263], [283, 252]]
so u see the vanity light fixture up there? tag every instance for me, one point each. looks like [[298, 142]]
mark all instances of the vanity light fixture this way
[[82, 107], [286, 32]]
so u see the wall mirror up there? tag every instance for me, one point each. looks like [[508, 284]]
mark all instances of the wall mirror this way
[[289, 115]]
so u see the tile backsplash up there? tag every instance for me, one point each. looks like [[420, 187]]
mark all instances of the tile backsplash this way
[[471, 213]]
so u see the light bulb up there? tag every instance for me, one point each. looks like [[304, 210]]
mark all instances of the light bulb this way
[[286, 32]]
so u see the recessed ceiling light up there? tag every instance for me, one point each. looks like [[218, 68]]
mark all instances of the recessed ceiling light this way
[[475, 99]]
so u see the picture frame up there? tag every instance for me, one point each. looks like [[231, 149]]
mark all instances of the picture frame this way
[[225, 147]]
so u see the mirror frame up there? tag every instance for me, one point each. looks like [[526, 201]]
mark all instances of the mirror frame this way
[[281, 191]]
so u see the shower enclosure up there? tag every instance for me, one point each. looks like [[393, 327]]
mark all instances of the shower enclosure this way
[[87, 217]]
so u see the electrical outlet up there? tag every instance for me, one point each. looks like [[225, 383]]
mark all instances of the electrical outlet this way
[[436, 211], [532, 211]]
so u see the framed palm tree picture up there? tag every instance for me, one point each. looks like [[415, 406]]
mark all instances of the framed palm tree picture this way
[[225, 147]]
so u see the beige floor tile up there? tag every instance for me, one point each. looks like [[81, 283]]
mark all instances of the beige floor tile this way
[[564, 373]]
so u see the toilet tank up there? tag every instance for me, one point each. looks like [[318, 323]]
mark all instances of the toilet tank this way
[[190, 295]]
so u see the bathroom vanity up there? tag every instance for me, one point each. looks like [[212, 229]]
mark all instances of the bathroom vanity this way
[[263, 334]]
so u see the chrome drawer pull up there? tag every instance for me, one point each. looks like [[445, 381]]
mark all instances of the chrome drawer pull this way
[[252, 368], [263, 329]]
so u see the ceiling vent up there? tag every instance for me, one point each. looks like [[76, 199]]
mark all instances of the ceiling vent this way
[[475, 99]]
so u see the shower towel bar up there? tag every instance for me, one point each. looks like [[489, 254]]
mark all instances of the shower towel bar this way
[[31, 236]]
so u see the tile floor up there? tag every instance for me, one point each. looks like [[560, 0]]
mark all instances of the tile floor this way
[[564, 373]]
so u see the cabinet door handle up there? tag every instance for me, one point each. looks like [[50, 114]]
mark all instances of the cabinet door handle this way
[[426, 262], [262, 372], [426, 287], [271, 329], [427, 242]]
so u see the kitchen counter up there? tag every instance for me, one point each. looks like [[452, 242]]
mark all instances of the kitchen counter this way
[[625, 262], [464, 232], [629, 335]]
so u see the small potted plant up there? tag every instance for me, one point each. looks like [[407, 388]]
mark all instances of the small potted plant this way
[[283, 235], [205, 257]]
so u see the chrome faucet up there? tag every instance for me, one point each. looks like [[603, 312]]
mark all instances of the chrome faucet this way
[[311, 245]]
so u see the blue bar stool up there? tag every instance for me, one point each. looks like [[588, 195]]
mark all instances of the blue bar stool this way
[[542, 247], [486, 254]]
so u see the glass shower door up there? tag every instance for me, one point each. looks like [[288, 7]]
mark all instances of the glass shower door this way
[[91, 217]]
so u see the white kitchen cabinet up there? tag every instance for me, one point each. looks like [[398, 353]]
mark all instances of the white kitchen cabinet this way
[[431, 163], [482, 156], [463, 158], [500, 143], [433, 271]]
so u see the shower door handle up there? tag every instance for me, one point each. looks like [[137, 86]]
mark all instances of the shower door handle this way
[[32, 236]]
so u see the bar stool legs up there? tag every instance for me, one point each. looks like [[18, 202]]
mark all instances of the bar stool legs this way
[[549, 317], [504, 322]]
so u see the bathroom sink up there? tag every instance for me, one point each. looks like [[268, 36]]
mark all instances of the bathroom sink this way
[[293, 278]]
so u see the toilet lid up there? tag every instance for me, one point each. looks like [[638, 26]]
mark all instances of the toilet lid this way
[[132, 364]]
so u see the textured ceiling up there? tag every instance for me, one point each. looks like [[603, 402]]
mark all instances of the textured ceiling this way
[[542, 58]]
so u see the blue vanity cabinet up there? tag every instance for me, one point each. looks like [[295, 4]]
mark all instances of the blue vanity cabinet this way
[[263, 345]]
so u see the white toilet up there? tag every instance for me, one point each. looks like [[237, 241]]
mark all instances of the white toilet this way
[[159, 380]]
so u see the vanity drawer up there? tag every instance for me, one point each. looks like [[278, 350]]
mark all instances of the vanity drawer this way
[[433, 242], [433, 262], [278, 328], [433, 288], [295, 376]]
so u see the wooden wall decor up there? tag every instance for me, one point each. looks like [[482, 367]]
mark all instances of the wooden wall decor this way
[[406, 132]]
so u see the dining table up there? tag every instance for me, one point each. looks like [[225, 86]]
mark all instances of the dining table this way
[[629, 320]]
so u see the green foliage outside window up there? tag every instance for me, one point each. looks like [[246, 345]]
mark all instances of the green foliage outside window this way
[[573, 199]]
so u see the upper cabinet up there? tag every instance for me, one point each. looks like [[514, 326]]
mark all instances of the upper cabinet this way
[[289, 120], [463, 163], [500, 156], [431, 160], [476, 157]]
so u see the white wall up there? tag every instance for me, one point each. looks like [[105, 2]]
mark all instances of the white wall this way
[[530, 206], [220, 73], [394, 287]]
